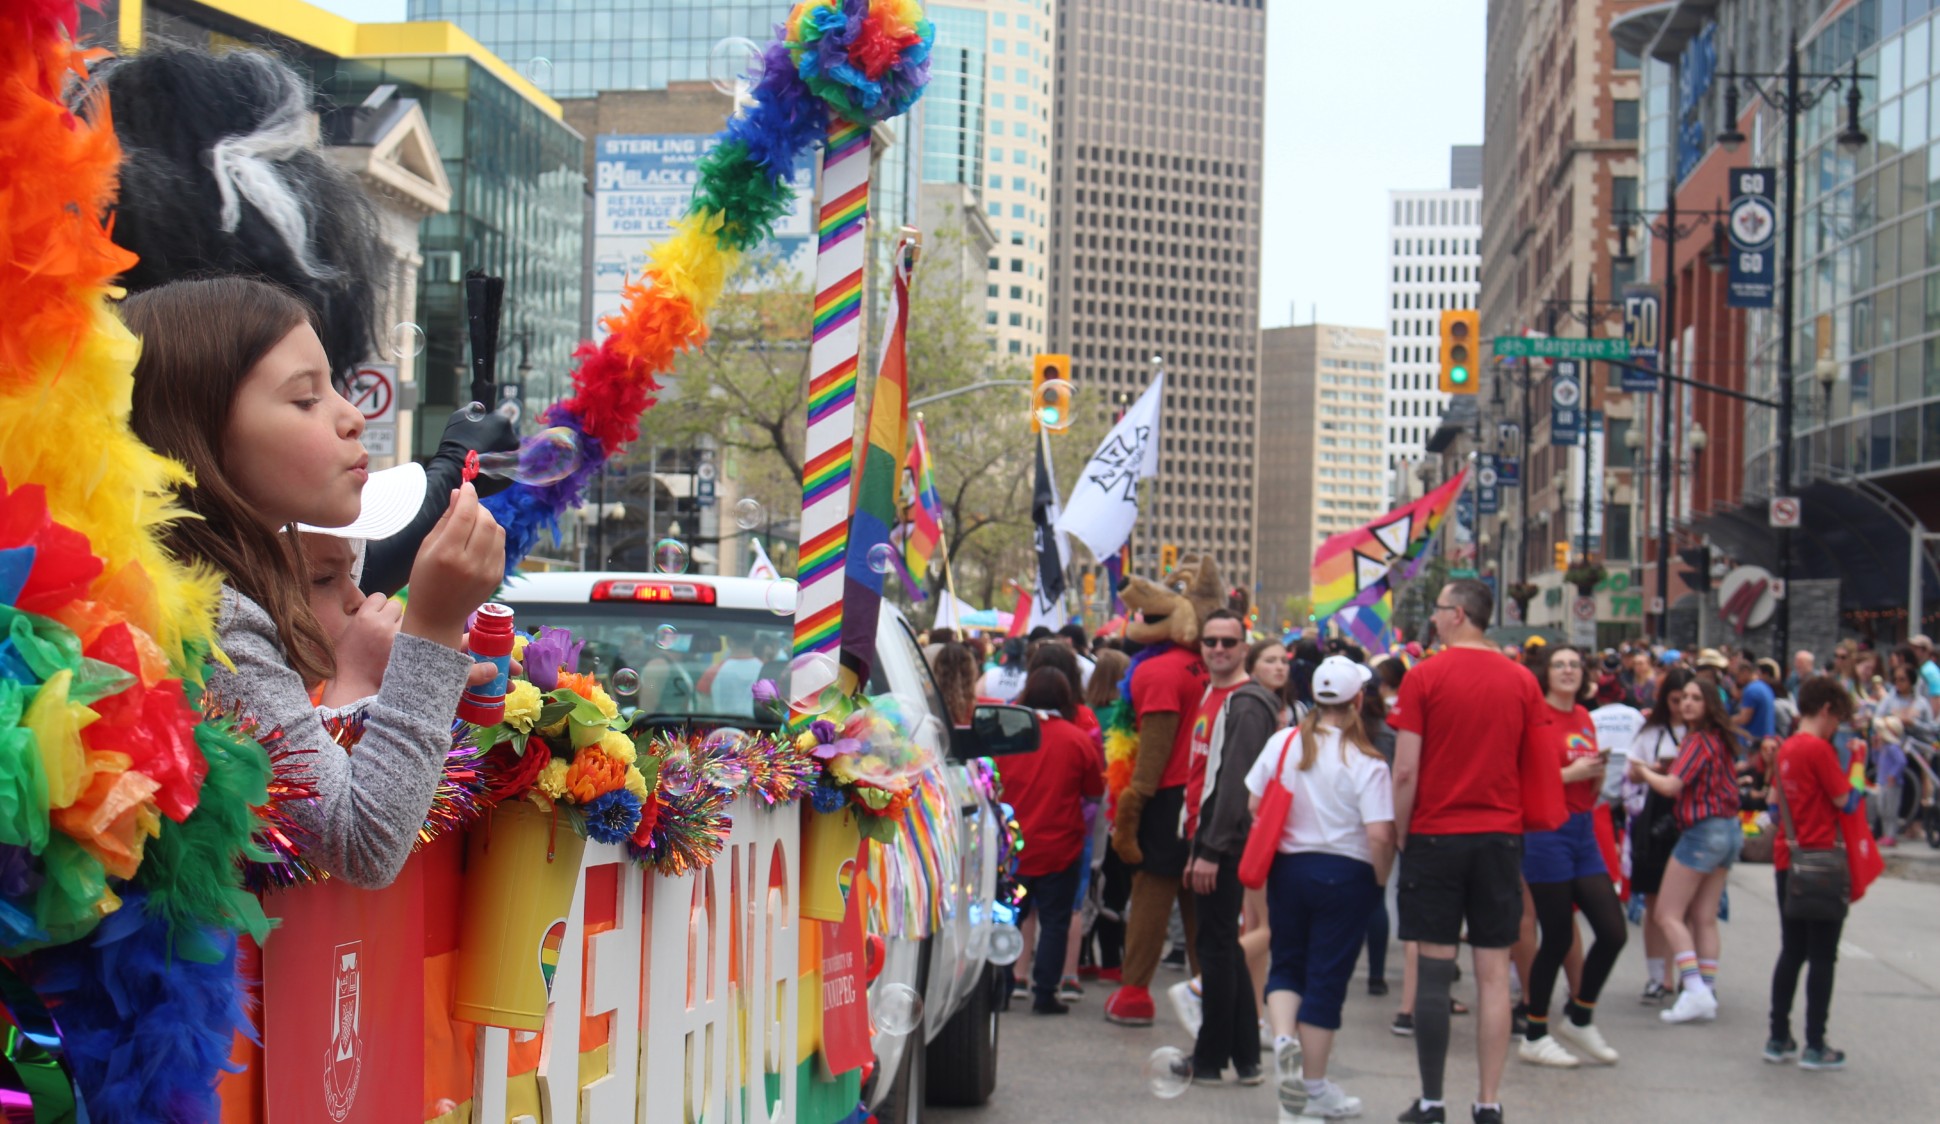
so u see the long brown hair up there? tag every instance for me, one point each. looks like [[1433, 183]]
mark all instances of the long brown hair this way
[[1344, 717], [200, 339], [956, 674], [1102, 689]]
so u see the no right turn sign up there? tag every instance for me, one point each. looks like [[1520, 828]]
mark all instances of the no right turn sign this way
[[1785, 511]]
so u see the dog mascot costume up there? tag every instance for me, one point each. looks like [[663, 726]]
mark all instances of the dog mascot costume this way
[[1164, 688]]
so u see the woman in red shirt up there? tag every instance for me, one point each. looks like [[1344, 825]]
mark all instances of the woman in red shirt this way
[[1815, 793], [1564, 871], [1703, 782], [1047, 788]]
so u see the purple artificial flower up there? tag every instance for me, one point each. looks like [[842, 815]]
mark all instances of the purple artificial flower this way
[[765, 692], [823, 729], [613, 817], [837, 748], [552, 651], [18, 878]]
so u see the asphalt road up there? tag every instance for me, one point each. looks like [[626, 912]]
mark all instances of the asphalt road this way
[[1885, 1015]]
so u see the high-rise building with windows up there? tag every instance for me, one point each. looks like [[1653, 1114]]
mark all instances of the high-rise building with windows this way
[[1434, 264], [1156, 247], [986, 123], [579, 50]]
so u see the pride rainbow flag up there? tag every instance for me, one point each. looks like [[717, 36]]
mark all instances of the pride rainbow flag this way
[[925, 515], [875, 497], [1350, 565]]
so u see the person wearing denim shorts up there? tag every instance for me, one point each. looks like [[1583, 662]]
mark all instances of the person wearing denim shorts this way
[[1703, 782]]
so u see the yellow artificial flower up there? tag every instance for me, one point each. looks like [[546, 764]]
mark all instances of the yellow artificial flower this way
[[636, 783], [519, 641], [842, 768], [604, 701], [552, 778], [522, 705], [806, 743], [618, 746]]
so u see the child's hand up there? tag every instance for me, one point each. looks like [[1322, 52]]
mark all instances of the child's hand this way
[[458, 568], [364, 649]]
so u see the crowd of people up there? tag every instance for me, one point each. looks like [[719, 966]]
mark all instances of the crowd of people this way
[[1466, 793]]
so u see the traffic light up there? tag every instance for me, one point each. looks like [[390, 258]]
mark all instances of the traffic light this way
[[1461, 336], [1562, 556], [1051, 393], [1168, 558], [1698, 577]]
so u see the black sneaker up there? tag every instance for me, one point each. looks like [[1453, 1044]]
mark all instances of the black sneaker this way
[[1403, 1024], [1377, 987], [1778, 1051], [1485, 1115], [1822, 1057], [1052, 1008], [1176, 959], [1417, 1114], [1519, 1021], [1252, 1075]]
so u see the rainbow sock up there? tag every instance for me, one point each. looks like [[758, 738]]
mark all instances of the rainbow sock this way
[[1688, 974], [1708, 969], [1579, 1012]]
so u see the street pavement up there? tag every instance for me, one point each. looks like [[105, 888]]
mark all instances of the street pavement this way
[[1885, 1015]]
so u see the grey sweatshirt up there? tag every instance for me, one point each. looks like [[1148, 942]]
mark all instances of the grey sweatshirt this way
[[369, 804]]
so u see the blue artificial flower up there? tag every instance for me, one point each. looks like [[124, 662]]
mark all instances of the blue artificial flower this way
[[827, 797], [613, 817]]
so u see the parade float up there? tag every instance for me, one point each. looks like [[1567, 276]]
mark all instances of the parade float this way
[[601, 922]]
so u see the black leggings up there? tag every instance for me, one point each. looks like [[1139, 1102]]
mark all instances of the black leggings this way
[[1802, 943], [1594, 895]]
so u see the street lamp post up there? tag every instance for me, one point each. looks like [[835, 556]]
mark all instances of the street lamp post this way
[[1790, 99]]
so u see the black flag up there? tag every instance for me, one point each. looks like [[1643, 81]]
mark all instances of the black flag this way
[[1049, 608]]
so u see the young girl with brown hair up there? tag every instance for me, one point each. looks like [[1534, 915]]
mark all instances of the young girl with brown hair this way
[[233, 383]]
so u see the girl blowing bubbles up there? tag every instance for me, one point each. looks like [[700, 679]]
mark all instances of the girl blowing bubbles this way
[[234, 383]]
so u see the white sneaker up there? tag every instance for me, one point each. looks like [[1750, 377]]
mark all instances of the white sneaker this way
[[1187, 1005], [1333, 1104], [1266, 1034], [1585, 1040], [1286, 1066], [1693, 1004], [1546, 1051]]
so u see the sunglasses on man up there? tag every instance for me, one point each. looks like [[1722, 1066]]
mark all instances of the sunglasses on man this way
[[1220, 641]]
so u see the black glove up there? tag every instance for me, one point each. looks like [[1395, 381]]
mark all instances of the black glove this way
[[387, 562]]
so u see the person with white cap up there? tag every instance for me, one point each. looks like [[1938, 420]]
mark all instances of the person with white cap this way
[[1334, 855], [361, 625]]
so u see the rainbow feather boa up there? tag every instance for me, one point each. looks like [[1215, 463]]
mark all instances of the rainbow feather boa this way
[[867, 60]]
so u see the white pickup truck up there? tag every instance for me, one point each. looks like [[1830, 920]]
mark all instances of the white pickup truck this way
[[690, 647]]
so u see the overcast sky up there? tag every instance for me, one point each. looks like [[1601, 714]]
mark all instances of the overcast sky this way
[[1361, 98]]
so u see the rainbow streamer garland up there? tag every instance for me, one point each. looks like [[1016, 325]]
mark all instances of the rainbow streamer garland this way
[[839, 66]]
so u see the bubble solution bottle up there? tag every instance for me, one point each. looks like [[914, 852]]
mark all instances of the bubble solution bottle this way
[[490, 642]]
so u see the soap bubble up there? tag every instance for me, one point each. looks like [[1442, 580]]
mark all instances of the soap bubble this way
[[538, 71], [726, 766], [626, 681], [547, 457], [896, 1009], [664, 637], [814, 682], [1051, 405], [731, 62], [1004, 944], [882, 558], [1167, 1072], [677, 771], [407, 340], [783, 596], [748, 513], [670, 556]]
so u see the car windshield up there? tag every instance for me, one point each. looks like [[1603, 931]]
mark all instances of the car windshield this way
[[689, 661]]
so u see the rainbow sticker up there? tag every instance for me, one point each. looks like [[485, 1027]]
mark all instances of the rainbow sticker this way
[[549, 952]]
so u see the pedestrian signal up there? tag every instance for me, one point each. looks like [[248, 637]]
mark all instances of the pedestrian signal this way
[[1051, 392], [1698, 577], [1461, 335], [1562, 556]]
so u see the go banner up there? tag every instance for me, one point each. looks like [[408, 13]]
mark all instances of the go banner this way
[[1754, 227], [1565, 403]]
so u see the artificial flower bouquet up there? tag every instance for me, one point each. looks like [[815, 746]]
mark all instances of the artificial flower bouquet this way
[[868, 758], [561, 745]]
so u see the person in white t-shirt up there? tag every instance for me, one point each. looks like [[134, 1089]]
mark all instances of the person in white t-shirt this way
[[1335, 852], [1650, 826], [1617, 723]]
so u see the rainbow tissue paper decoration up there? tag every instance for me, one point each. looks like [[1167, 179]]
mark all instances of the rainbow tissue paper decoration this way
[[862, 60]]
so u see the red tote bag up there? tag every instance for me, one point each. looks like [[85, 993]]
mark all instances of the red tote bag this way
[[1263, 841]]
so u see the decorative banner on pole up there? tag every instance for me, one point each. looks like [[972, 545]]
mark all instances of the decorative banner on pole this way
[[1643, 327], [1104, 505], [832, 357], [1508, 472], [1753, 225], [1488, 485], [1565, 404]]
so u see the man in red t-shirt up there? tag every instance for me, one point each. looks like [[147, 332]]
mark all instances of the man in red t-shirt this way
[[1809, 795], [1458, 813]]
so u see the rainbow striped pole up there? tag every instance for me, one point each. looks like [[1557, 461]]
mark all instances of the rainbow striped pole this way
[[828, 463]]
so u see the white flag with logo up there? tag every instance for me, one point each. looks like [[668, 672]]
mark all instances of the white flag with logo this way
[[1104, 505], [761, 567]]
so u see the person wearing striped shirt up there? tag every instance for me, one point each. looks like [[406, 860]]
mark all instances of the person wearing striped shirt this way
[[1703, 783]]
